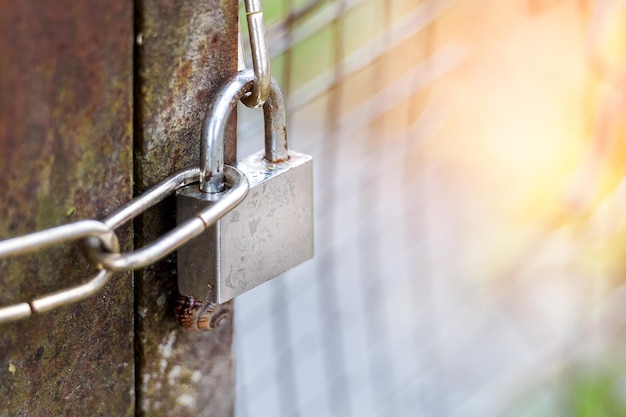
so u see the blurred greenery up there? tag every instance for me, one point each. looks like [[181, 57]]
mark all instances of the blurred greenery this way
[[594, 388]]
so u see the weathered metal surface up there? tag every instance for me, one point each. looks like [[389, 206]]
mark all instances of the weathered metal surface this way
[[185, 50], [65, 154]]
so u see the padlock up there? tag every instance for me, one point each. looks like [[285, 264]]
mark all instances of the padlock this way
[[268, 233]]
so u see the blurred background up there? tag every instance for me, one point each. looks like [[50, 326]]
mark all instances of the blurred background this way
[[470, 212]]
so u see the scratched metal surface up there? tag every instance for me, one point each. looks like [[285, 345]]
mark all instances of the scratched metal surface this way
[[469, 189], [65, 154]]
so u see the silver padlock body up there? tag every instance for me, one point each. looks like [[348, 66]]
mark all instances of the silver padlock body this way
[[270, 232]]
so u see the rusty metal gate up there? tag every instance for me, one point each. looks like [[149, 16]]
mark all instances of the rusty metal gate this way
[[99, 101]]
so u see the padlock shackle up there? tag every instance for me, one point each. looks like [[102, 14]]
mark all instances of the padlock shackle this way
[[275, 124], [216, 119]]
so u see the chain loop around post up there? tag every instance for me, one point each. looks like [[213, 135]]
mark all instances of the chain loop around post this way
[[102, 246], [175, 238], [56, 235], [260, 55]]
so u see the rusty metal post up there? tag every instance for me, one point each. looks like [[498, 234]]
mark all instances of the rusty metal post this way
[[65, 154], [185, 49]]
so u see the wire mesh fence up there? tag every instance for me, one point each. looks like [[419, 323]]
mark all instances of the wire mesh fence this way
[[470, 211]]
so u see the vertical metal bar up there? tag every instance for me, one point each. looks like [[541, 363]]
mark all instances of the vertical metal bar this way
[[285, 368], [187, 50], [337, 388], [373, 280], [415, 219]]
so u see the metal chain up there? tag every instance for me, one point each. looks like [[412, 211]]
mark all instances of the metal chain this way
[[260, 55], [176, 237], [42, 239], [99, 238], [101, 242]]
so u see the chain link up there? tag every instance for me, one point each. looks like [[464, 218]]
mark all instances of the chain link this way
[[177, 237], [69, 232], [101, 242]]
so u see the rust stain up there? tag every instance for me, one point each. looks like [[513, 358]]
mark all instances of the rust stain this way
[[188, 49], [183, 71], [65, 151]]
